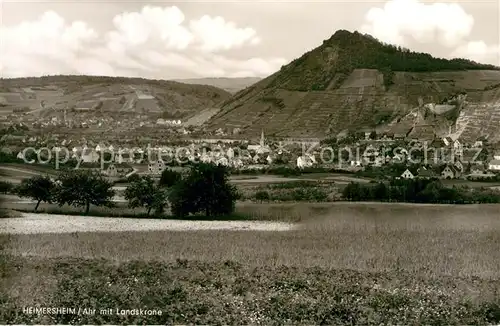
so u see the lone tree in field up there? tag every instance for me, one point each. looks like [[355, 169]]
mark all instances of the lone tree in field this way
[[169, 178], [144, 192], [83, 188], [38, 188], [206, 189]]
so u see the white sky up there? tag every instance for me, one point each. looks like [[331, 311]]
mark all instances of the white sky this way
[[233, 39]]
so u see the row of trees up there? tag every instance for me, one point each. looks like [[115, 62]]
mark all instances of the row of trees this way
[[418, 191], [205, 189], [78, 188]]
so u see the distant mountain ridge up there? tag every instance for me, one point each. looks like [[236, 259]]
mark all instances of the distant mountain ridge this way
[[353, 81], [108, 101], [231, 85]]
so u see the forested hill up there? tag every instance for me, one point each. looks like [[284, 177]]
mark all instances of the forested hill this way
[[346, 51], [353, 81]]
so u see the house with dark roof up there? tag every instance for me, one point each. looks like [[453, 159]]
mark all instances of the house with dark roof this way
[[447, 141], [450, 172], [424, 173], [436, 143], [469, 156]]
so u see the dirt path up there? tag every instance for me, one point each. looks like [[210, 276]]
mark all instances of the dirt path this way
[[31, 223], [8, 168]]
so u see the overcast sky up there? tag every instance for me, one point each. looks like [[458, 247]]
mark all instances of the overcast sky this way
[[164, 40]]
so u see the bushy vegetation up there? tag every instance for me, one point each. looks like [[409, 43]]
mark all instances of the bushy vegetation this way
[[262, 195], [418, 191], [293, 185], [274, 101], [9, 158], [6, 187], [169, 178], [493, 178]]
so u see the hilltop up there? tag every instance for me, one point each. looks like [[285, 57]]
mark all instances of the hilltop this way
[[354, 81], [231, 85], [107, 101]]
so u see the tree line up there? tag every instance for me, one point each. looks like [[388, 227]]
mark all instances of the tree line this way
[[418, 191], [203, 190]]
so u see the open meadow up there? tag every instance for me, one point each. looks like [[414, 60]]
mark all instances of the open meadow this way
[[343, 263]]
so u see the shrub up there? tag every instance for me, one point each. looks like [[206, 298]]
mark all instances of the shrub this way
[[133, 177], [6, 187], [293, 184], [169, 178], [262, 195], [39, 188]]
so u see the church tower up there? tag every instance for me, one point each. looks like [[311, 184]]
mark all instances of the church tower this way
[[262, 138]]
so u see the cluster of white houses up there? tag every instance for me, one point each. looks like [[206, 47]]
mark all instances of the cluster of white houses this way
[[260, 155], [457, 170], [168, 122]]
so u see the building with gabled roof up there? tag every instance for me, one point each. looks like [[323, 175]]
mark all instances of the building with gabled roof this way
[[450, 172], [407, 174]]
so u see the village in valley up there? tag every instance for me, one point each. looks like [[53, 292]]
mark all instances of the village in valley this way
[[446, 158], [120, 130], [199, 164]]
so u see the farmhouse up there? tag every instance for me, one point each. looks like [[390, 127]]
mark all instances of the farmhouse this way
[[494, 165], [407, 175], [450, 172]]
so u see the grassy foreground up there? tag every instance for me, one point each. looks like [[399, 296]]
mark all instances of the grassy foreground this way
[[228, 293], [350, 264]]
